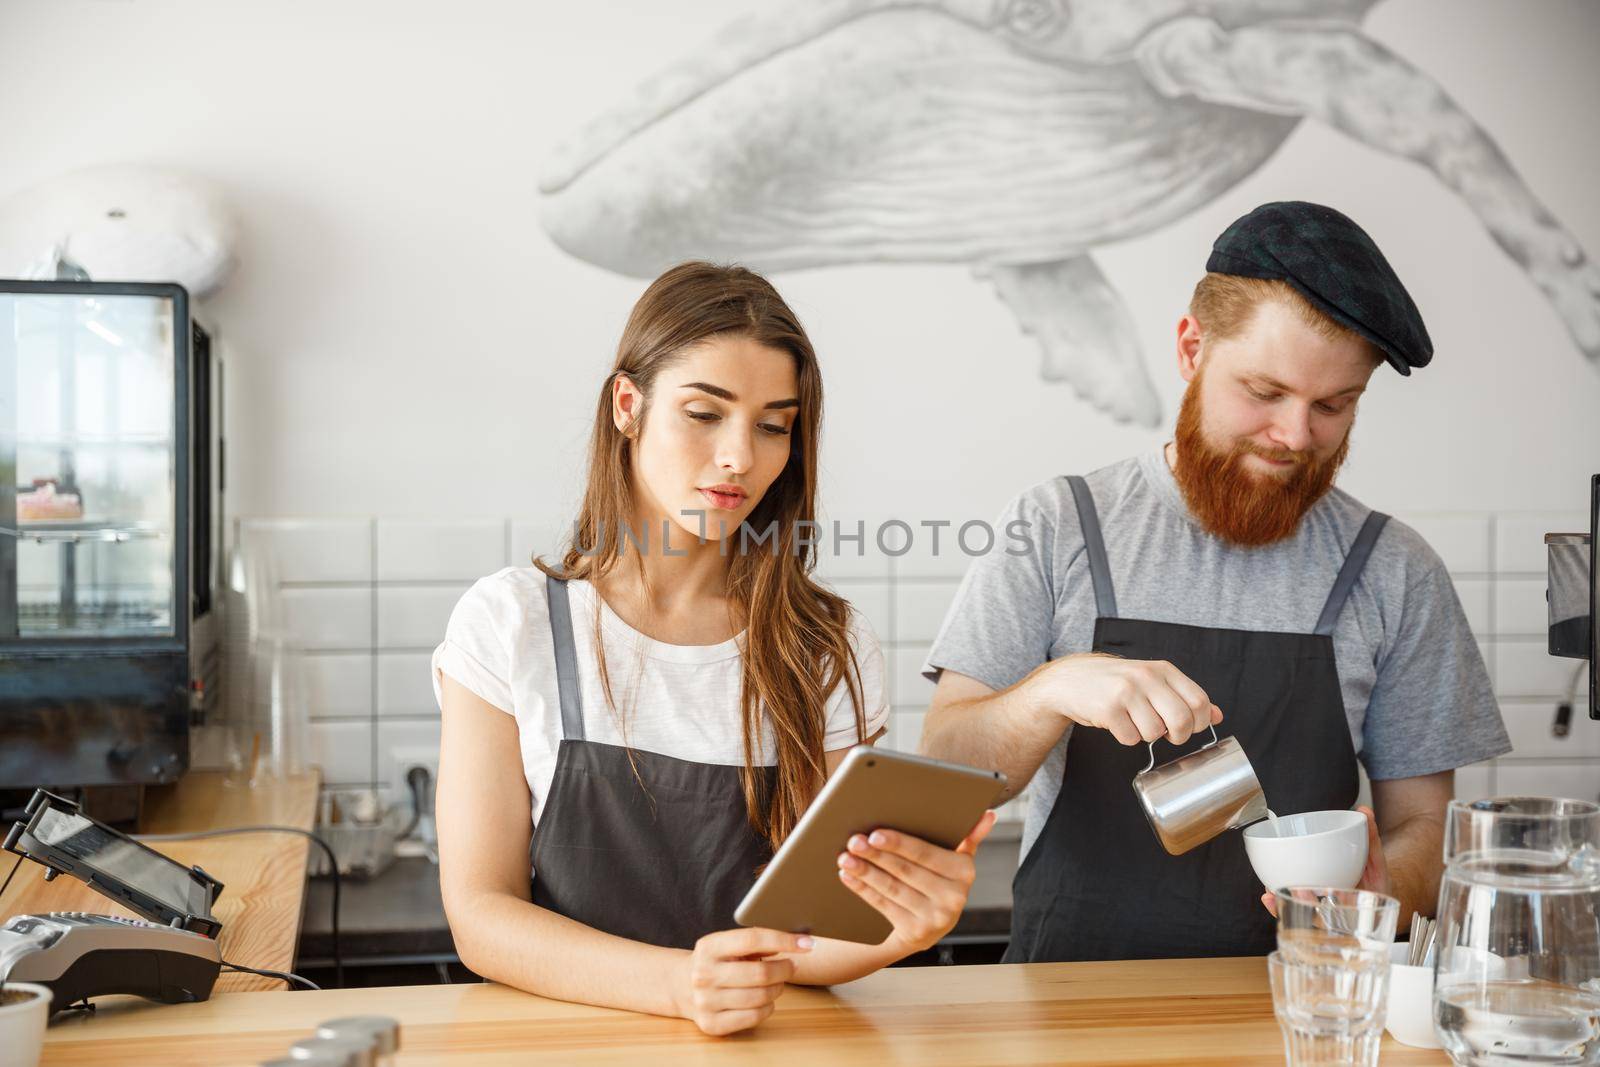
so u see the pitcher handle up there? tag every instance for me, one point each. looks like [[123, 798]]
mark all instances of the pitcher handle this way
[[1151, 765]]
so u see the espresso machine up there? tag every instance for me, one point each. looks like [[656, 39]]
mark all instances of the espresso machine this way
[[1573, 591]]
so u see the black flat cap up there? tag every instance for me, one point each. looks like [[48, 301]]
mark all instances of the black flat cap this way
[[1332, 263]]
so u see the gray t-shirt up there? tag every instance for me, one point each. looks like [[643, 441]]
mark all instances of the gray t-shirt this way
[[1416, 691]]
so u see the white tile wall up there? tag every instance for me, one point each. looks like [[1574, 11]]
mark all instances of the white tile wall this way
[[1519, 538], [905, 730], [344, 752], [1525, 668], [323, 617], [871, 597], [847, 559], [337, 685], [405, 689], [907, 686], [1548, 778], [1462, 541], [1476, 596], [1531, 726], [313, 550], [414, 550], [530, 537], [920, 607], [1475, 781], [943, 553], [1520, 609], [414, 616], [369, 599]]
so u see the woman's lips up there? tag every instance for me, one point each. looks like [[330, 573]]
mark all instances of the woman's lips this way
[[723, 501]]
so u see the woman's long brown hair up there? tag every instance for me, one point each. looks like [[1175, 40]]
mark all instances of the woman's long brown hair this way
[[797, 633]]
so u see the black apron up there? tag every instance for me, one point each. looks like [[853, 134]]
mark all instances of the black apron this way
[[1097, 885], [638, 844]]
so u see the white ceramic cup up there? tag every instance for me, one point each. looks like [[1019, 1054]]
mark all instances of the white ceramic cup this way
[[22, 1025], [1327, 848]]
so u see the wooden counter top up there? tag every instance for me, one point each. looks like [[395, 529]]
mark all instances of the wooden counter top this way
[[263, 875], [1192, 1012]]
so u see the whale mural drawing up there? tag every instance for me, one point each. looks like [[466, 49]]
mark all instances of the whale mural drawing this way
[[1015, 136]]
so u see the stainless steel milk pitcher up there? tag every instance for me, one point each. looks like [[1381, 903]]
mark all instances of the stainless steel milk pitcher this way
[[1198, 796]]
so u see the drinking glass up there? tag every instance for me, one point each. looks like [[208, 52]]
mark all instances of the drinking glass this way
[[1328, 925], [1331, 1011], [1330, 975]]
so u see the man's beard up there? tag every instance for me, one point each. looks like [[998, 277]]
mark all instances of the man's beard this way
[[1239, 505]]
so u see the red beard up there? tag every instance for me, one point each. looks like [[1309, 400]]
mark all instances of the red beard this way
[[1235, 503]]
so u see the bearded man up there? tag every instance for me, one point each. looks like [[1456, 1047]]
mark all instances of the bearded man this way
[[1221, 581]]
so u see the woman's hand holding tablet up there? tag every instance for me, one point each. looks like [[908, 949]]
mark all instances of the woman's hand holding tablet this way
[[919, 887]]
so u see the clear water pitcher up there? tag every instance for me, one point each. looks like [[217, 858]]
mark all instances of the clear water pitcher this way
[[1517, 969]]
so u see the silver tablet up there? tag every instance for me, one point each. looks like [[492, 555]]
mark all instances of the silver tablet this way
[[800, 891]]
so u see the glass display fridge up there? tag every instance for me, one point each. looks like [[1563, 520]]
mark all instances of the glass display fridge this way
[[110, 483]]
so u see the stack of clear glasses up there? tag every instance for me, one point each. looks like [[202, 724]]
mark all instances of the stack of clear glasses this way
[[1330, 975]]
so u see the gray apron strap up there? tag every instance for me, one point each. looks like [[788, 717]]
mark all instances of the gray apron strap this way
[[566, 659], [1354, 564], [1105, 597]]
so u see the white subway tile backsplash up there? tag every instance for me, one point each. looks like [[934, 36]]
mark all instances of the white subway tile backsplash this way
[[1519, 538], [1474, 594], [404, 687], [531, 537], [344, 752], [838, 559], [907, 686], [1519, 607], [1525, 668], [871, 599], [328, 618], [944, 551], [421, 550], [313, 550], [337, 685], [1462, 541], [1530, 724], [1548, 778], [1475, 781], [920, 608], [420, 569], [415, 616], [905, 729]]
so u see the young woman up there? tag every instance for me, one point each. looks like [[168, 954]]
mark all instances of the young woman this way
[[647, 720]]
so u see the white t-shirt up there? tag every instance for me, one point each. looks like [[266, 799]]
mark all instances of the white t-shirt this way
[[678, 700]]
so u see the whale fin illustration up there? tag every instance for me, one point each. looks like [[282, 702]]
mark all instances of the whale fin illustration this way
[[1084, 332]]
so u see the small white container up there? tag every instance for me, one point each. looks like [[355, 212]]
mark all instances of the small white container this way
[[1410, 1000], [22, 1025], [1322, 848], [1411, 993]]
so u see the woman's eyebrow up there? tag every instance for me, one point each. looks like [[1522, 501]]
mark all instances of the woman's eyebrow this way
[[724, 394]]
